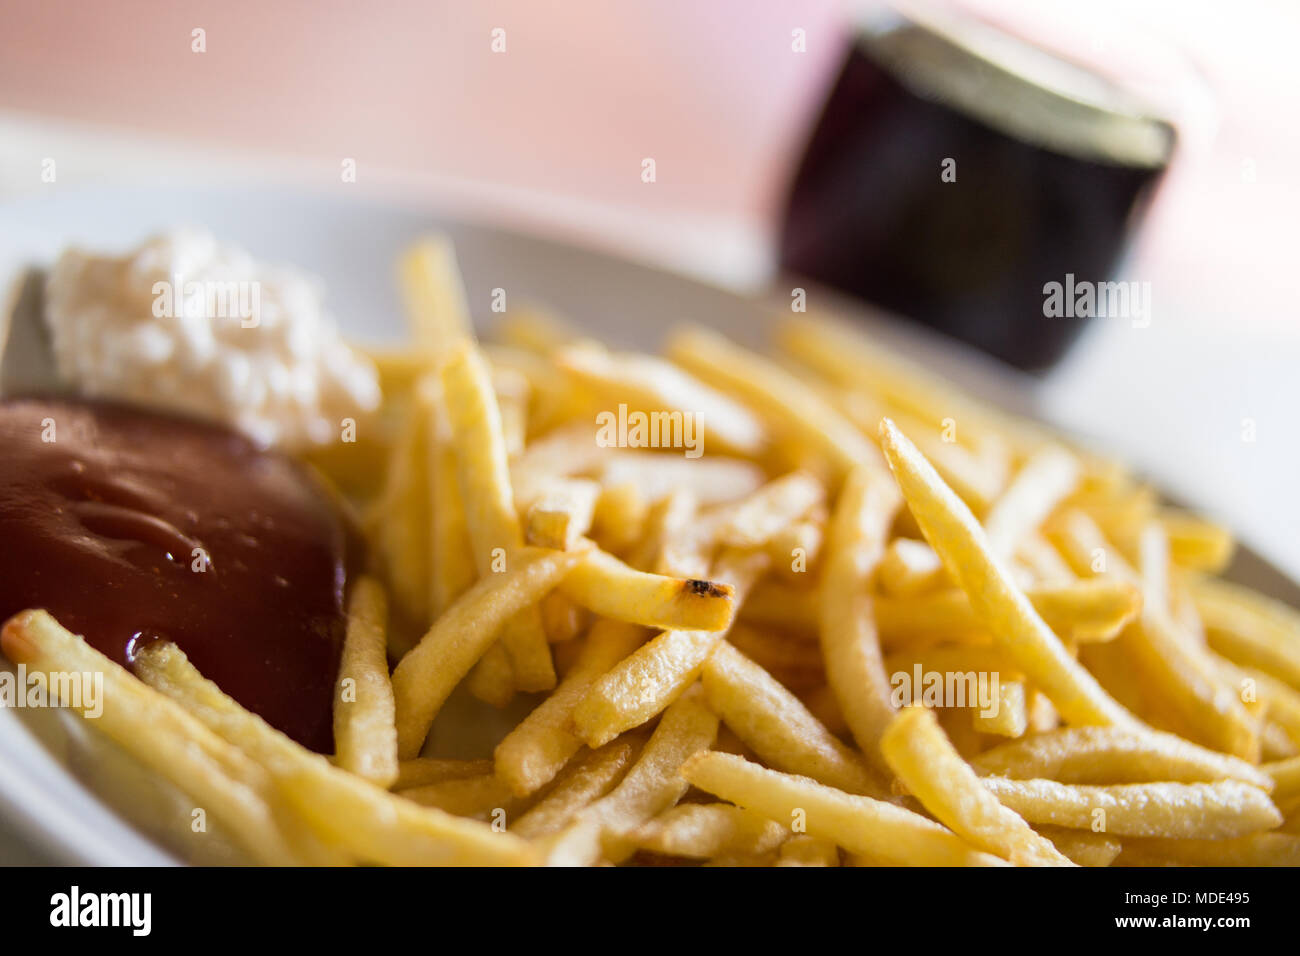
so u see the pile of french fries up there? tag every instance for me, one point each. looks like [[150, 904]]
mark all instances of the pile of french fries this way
[[705, 649]]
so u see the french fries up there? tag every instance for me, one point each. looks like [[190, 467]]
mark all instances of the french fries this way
[[649, 679], [1083, 847], [777, 726], [1258, 849], [608, 587], [365, 731], [582, 782], [658, 387], [1105, 755], [430, 671], [857, 823], [774, 392], [562, 514], [1197, 811], [370, 823], [741, 614], [776, 506], [434, 294], [218, 775], [1176, 669], [451, 563], [704, 830], [490, 515], [535, 751], [931, 770], [1250, 630], [653, 783], [958, 539]]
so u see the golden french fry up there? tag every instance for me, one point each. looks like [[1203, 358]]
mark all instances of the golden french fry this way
[[910, 567], [620, 514], [1176, 669], [1258, 849], [562, 514], [429, 672], [587, 778], [789, 608], [1285, 775], [1003, 609], [157, 732], [932, 771], [856, 823], [1153, 551], [399, 368], [482, 797], [561, 453], [795, 550], [371, 824], [1087, 612], [1082, 847], [490, 515], [365, 733], [774, 393], [562, 620], [538, 748], [1197, 544], [789, 659], [672, 544], [608, 587], [1084, 611], [713, 480], [492, 679], [661, 390], [434, 294], [654, 782], [512, 392], [1212, 811], [1103, 755], [704, 830], [1250, 629], [1010, 714], [755, 520], [451, 562], [1038, 487], [655, 674], [421, 771], [535, 329], [1043, 560], [807, 851], [778, 727], [846, 356], [403, 530], [975, 480]]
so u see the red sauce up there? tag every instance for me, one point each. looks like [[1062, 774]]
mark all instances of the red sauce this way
[[105, 525]]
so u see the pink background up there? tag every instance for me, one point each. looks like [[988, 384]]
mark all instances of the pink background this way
[[587, 89]]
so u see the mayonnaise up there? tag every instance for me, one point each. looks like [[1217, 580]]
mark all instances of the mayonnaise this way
[[193, 325]]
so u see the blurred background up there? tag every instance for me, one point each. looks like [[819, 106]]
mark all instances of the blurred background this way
[[540, 115]]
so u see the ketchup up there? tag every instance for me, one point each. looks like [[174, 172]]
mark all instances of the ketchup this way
[[131, 526]]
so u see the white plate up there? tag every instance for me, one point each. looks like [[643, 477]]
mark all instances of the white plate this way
[[352, 244]]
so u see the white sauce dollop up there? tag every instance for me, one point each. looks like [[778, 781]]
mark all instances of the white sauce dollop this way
[[189, 324]]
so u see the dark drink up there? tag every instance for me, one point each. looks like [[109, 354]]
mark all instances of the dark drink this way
[[951, 179]]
